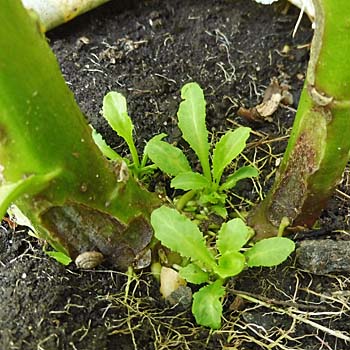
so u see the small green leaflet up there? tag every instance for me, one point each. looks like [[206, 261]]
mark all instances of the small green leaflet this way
[[213, 198], [242, 173], [116, 113], [59, 257], [190, 181], [194, 274], [104, 148], [233, 235], [207, 306], [219, 210], [270, 252], [230, 264], [181, 235], [191, 116], [166, 157], [227, 149]]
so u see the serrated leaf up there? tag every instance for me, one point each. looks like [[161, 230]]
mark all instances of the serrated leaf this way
[[227, 149], [157, 137], [181, 235], [233, 235], [104, 148], [191, 116], [166, 157], [270, 252], [115, 112], [242, 173], [190, 181], [230, 264], [207, 306], [194, 274]]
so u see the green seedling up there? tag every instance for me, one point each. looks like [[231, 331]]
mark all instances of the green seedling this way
[[212, 265], [116, 113], [171, 160]]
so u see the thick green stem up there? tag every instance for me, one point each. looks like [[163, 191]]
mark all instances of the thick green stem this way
[[318, 148], [53, 13], [43, 132]]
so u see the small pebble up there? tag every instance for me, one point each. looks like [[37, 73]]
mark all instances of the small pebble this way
[[170, 280], [324, 256], [182, 297]]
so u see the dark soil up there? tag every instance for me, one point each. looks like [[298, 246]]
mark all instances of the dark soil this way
[[148, 50]]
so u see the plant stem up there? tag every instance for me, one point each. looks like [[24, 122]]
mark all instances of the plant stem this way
[[183, 200], [134, 155], [283, 225], [318, 148], [53, 13], [84, 206]]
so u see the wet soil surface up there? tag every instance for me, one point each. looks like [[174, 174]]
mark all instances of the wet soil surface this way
[[148, 50]]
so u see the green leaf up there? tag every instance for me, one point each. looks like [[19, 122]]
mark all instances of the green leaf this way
[[104, 148], [157, 137], [181, 235], [32, 184], [207, 306], [194, 274], [242, 173], [233, 235], [230, 264], [213, 198], [190, 181], [227, 149], [166, 157], [115, 112], [270, 251], [219, 210], [59, 256], [191, 117]]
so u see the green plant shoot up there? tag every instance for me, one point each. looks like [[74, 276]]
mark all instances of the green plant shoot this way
[[191, 117], [171, 160], [213, 265], [116, 113]]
